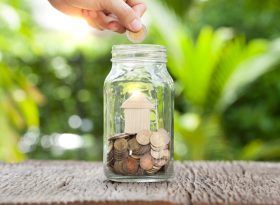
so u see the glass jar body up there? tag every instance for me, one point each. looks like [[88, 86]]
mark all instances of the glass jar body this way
[[138, 121]]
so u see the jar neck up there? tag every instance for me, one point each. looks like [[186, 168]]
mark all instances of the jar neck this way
[[139, 53]]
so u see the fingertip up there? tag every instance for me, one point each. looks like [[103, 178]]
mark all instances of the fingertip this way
[[135, 25]]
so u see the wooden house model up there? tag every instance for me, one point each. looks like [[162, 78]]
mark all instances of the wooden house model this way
[[137, 109]]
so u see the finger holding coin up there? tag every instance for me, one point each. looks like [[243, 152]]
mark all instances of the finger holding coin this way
[[137, 37]]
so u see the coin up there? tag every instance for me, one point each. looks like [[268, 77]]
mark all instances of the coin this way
[[159, 162], [130, 166], [157, 139], [140, 172], [118, 156], [153, 170], [166, 154], [157, 154], [144, 149], [165, 134], [118, 167], [137, 37], [144, 153], [135, 156], [146, 162], [159, 148], [118, 136], [143, 137], [120, 144], [133, 144]]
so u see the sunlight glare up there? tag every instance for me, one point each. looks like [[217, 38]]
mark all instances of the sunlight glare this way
[[52, 19], [69, 141]]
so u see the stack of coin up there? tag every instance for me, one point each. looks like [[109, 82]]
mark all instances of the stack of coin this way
[[118, 167], [160, 147], [110, 155], [120, 149], [142, 153]]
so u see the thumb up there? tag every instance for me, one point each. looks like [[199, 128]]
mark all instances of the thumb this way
[[127, 16]]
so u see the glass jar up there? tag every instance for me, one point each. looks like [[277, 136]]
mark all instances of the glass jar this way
[[138, 115]]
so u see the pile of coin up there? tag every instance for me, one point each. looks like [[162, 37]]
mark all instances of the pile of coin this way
[[142, 153]]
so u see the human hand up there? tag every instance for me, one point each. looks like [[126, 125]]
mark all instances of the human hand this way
[[114, 15]]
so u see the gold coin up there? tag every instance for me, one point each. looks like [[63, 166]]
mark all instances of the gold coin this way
[[120, 144], [157, 139], [146, 162], [137, 37], [143, 137]]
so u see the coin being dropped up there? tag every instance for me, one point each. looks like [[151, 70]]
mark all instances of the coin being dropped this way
[[137, 37]]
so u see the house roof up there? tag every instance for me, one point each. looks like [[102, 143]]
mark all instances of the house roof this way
[[137, 101]]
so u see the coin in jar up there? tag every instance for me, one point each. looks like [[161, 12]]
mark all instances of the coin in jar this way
[[160, 162], [143, 137], [166, 154], [120, 144], [146, 162], [144, 149], [118, 167], [133, 144], [165, 134], [130, 166], [118, 136], [157, 154], [157, 139]]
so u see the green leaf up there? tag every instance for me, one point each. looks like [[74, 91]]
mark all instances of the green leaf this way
[[247, 71]]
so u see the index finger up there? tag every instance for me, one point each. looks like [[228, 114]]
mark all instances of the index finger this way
[[138, 6]]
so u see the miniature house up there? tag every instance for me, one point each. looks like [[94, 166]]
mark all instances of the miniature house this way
[[137, 110]]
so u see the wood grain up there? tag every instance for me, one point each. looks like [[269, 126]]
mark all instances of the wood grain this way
[[72, 182]]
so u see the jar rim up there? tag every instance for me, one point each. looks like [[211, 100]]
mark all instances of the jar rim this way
[[139, 52], [138, 47]]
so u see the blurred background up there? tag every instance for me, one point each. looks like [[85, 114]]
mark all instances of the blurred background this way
[[224, 56]]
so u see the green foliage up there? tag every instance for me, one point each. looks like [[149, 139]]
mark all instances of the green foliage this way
[[19, 98], [212, 70], [255, 18], [226, 85]]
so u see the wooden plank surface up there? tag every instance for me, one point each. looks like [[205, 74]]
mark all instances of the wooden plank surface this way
[[72, 182]]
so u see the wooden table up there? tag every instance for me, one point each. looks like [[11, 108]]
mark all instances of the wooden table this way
[[73, 182]]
